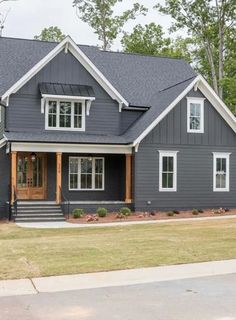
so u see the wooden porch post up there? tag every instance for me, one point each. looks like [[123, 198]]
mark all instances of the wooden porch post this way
[[13, 175], [58, 177], [128, 178]]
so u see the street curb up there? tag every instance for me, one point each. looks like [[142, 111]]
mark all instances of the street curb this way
[[116, 278]]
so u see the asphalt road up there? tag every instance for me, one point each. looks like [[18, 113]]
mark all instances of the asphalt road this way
[[209, 298]]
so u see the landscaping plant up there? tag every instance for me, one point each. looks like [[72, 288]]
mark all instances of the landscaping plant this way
[[78, 213], [125, 211], [102, 212]]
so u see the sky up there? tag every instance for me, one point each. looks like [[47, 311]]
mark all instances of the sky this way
[[26, 18]]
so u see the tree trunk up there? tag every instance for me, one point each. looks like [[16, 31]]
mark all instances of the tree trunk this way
[[221, 24], [210, 59]]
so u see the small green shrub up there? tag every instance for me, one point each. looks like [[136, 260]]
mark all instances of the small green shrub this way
[[102, 212], [195, 212], [125, 211], [78, 213], [200, 210], [170, 213]]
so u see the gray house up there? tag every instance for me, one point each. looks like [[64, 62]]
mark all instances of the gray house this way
[[110, 129]]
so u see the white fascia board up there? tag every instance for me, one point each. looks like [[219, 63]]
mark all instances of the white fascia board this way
[[210, 95], [71, 148], [217, 103], [81, 57], [165, 112], [3, 142], [32, 72], [93, 70]]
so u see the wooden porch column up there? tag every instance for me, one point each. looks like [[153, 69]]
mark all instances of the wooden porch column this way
[[128, 178], [58, 177], [13, 175]]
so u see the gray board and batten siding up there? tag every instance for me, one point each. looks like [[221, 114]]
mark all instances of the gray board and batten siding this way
[[4, 182], [24, 113], [194, 162]]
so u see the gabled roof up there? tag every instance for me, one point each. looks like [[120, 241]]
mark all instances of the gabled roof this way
[[68, 45], [135, 80], [135, 77]]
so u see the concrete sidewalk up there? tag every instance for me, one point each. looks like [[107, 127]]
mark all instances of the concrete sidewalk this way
[[116, 278], [65, 225]]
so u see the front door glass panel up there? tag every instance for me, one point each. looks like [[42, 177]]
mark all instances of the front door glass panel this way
[[22, 171], [37, 179]]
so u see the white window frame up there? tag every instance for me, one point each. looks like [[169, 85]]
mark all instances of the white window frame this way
[[93, 174], [199, 101], [221, 155], [168, 154], [58, 114]]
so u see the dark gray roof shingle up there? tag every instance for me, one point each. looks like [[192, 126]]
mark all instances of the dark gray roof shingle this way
[[136, 77], [64, 137], [142, 80]]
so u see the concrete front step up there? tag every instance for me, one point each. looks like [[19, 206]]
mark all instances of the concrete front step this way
[[38, 211], [40, 219]]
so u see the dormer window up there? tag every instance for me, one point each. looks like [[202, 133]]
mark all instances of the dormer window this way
[[65, 115], [195, 115]]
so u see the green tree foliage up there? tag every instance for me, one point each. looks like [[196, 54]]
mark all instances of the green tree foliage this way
[[150, 40], [53, 34], [210, 23], [99, 14]]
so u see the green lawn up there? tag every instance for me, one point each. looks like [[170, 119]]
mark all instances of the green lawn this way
[[34, 252]]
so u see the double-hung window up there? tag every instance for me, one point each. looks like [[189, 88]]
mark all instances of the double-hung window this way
[[195, 115], [168, 170], [221, 169], [86, 173], [65, 115]]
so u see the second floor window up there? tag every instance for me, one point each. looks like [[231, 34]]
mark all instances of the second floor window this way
[[65, 115], [195, 115]]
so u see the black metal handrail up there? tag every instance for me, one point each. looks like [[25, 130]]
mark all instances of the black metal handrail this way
[[14, 204], [65, 205]]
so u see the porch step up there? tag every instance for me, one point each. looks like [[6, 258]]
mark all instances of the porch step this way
[[38, 211]]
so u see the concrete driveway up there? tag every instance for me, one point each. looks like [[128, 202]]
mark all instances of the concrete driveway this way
[[208, 298]]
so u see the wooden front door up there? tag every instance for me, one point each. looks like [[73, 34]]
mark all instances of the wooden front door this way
[[31, 176]]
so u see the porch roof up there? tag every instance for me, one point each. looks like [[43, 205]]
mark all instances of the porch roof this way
[[65, 137]]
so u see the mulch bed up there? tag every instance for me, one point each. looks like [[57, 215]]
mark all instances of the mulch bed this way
[[147, 216]]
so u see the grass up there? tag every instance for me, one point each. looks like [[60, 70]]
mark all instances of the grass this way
[[42, 252]]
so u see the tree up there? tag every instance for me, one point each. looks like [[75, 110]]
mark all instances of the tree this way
[[150, 40], [208, 22], [53, 34], [3, 17], [99, 14]]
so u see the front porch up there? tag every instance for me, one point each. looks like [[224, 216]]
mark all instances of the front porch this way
[[87, 180]]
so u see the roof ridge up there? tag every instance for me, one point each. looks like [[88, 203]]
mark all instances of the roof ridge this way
[[176, 84], [142, 55], [44, 41]]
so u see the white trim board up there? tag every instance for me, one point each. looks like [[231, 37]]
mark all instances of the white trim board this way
[[3, 142], [210, 95], [81, 57], [71, 148]]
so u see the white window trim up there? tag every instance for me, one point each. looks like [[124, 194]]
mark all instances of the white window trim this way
[[93, 174], [200, 101], [58, 115], [173, 154], [226, 156]]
